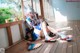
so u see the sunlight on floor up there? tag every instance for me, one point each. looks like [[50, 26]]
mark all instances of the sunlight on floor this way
[[61, 41], [64, 28], [59, 17], [70, 45]]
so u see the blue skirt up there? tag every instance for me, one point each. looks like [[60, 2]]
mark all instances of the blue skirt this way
[[35, 35]]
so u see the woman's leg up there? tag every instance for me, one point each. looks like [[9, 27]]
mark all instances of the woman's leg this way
[[59, 29], [45, 31], [52, 29], [37, 33], [57, 32]]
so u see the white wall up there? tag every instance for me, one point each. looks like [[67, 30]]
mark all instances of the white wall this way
[[48, 10], [73, 10], [24, 29], [69, 10], [15, 33], [63, 10], [3, 38]]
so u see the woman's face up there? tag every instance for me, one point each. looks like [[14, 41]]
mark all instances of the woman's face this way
[[31, 14]]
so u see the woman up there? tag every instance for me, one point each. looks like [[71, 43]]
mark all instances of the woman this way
[[39, 26]]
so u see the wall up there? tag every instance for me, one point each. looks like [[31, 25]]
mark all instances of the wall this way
[[48, 10], [73, 10], [64, 10], [24, 29], [69, 10], [3, 38], [15, 35]]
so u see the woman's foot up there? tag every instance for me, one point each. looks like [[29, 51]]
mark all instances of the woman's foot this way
[[68, 38], [53, 39]]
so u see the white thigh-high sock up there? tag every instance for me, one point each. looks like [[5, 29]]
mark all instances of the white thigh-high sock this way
[[36, 31], [44, 30], [62, 35]]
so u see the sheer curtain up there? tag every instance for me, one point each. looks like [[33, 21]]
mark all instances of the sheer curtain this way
[[36, 6], [48, 10]]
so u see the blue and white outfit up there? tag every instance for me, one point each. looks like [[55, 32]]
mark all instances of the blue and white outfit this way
[[34, 23]]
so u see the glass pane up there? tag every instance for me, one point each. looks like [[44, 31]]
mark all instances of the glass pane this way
[[15, 4], [36, 6], [10, 9], [27, 4]]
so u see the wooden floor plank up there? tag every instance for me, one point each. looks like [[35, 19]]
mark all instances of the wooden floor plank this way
[[43, 48], [48, 48], [54, 47], [37, 50], [64, 47], [70, 44], [18, 48], [78, 42], [73, 32], [78, 36], [69, 47], [75, 50], [59, 48]]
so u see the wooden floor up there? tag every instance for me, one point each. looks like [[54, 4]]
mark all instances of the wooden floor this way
[[55, 47]]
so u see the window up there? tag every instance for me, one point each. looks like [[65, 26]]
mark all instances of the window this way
[[36, 6], [27, 4], [11, 9], [35, 3]]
